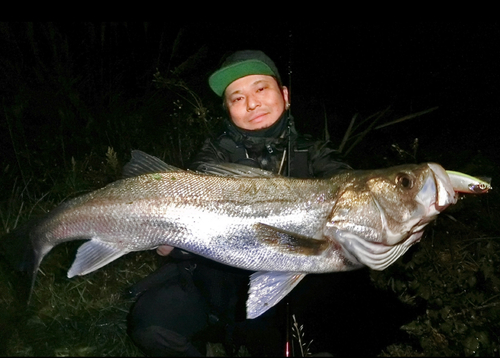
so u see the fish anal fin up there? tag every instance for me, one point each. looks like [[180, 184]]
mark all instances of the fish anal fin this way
[[268, 288], [93, 255], [289, 241]]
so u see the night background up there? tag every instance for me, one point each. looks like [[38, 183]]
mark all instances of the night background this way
[[78, 97]]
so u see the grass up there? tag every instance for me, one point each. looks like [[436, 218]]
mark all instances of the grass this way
[[70, 125], [82, 316], [85, 316], [453, 273]]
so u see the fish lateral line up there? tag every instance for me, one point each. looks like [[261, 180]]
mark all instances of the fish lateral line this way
[[321, 250]]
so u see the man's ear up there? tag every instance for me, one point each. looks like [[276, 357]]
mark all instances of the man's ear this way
[[286, 96]]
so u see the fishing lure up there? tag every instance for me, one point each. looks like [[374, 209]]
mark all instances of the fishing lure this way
[[464, 183]]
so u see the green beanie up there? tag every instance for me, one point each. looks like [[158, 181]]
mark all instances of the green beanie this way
[[241, 64]]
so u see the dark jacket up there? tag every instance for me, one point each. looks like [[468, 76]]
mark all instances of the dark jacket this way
[[279, 149], [192, 300]]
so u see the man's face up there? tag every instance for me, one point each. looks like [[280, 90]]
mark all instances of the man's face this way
[[255, 101]]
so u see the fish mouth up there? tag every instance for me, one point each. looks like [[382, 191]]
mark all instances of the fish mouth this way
[[436, 194], [445, 194]]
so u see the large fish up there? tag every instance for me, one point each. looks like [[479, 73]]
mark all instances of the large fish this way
[[282, 228]]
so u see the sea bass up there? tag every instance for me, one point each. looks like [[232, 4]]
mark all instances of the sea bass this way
[[281, 228]]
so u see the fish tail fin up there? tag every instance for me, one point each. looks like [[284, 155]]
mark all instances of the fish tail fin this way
[[24, 258], [31, 263]]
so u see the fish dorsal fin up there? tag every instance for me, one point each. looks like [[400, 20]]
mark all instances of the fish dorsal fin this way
[[143, 163], [234, 170], [268, 288], [93, 255], [288, 241]]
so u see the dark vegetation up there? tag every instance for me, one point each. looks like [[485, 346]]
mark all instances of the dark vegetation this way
[[78, 97]]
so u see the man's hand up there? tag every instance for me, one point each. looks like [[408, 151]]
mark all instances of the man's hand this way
[[164, 250]]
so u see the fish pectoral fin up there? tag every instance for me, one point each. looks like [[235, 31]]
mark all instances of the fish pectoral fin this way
[[93, 255], [268, 288], [289, 241]]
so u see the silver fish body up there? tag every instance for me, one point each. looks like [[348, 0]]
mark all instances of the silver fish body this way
[[222, 218], [283, 228]]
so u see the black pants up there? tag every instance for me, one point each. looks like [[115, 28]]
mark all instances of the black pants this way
[[188, 303], [197, 301]]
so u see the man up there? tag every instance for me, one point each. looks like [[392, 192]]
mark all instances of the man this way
[[192, 300]]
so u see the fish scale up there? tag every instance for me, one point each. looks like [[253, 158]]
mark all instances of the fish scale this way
[[281, 228]]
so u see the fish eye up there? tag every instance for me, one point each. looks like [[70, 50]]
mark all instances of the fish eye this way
[[404, 180]]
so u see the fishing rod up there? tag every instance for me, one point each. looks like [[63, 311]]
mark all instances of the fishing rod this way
[[289, 346], [289, 69]]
